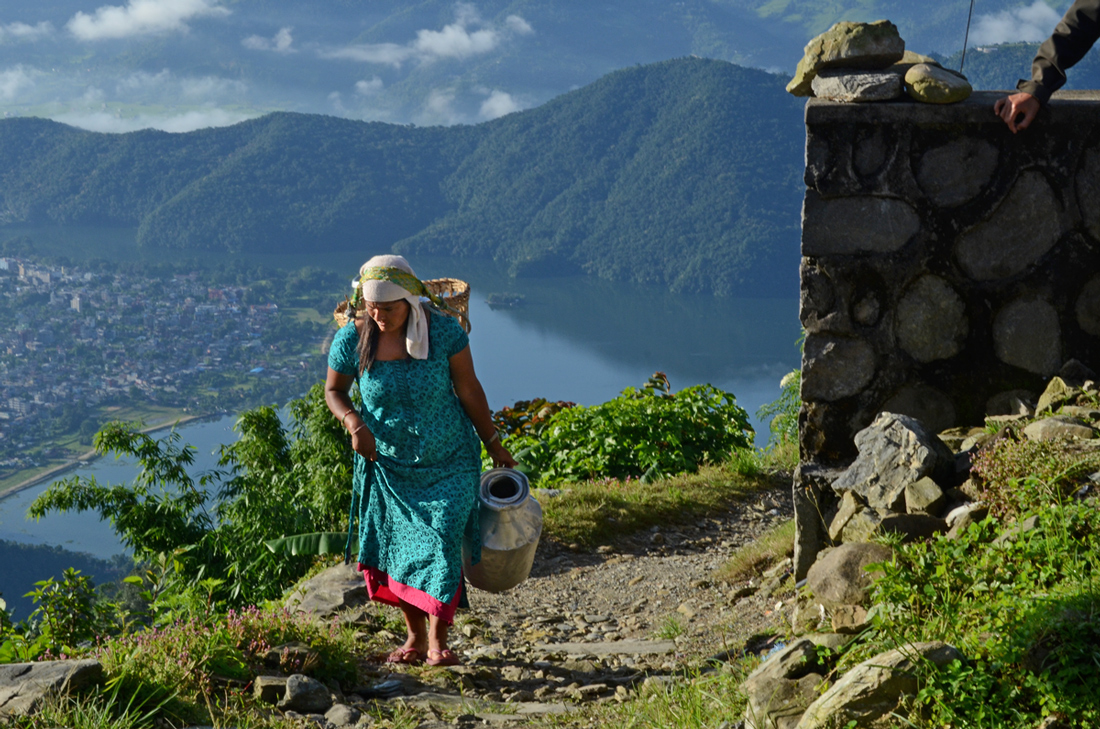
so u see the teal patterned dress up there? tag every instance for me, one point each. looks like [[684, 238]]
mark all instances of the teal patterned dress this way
[[421, 501]]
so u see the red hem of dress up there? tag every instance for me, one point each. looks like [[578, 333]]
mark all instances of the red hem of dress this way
[[384, 589]]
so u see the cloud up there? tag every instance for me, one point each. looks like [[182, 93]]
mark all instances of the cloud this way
[[497, 105], [1032, 24], [368, 88], [141, 81], [22, 31], [140, 17], [279, 43], [466, 37], [168, 86], [13, 81], [518, 25], [211, 87], [184, 122]]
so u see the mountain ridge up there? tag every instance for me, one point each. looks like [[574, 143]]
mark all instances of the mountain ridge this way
[[646, 175]]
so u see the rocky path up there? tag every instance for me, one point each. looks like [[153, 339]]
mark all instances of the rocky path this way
[[593, 627]]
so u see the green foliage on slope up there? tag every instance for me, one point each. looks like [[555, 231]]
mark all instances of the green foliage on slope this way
[[683, 173]]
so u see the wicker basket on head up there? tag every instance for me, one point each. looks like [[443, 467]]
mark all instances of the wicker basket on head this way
[[455, 293]]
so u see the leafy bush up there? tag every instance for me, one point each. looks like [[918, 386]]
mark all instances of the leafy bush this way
[[640, 434], [1023, 611], [1021, 475], [782, 413], [187, 654], [201, 548]]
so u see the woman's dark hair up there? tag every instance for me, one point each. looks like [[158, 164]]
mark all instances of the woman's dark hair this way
[[368, 342]]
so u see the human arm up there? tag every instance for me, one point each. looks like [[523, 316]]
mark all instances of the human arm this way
[[472, 398], [1017, 110], [1072, 38], [338, 399]]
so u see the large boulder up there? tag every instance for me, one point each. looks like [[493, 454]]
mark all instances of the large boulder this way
[[841, 577], [23, 686], [848, 45], [781, 688], [894, 452], [873, 689], [337, 588], [306, 695]]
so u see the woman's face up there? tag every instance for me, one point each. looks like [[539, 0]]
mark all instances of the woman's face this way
[[388, 315]]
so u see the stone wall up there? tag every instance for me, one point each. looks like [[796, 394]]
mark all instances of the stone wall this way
[[947, 265]]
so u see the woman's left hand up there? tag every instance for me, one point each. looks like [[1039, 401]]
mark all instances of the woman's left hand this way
[[500, 455]]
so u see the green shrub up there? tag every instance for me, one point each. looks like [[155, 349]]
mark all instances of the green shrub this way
[[1023, 610], [1022, 475], [782, 413], [642, 433]]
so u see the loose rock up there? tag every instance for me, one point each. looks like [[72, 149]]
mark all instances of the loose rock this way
[[851, 45], [935, 85], [851, 86]]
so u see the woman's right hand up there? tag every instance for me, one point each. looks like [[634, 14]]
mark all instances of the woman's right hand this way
[[363, 443]]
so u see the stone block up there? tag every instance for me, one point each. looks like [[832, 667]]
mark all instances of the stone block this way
[[894, 451], [1021, 230], [1059, 426], [924, 496], [857, 224], [913, 527], [269, 689], [836, 367], [873, 689], [1026, 334], [23, 686], [849, 619], [813, 497], [857, 86], [957, 171], [841, 578], [925, 404], [936, 85], [850, 505], [851, 45], [931, 320]]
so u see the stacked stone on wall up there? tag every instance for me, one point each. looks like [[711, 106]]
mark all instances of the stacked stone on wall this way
[[947, 264]]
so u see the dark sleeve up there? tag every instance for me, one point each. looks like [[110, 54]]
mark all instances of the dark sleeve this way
[[1071, 40]]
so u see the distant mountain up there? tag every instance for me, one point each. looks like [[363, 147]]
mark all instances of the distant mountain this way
[[1001, 66], [684, 173], [181, 66]]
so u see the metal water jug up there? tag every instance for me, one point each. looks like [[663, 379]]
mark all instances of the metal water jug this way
[[511, 524]]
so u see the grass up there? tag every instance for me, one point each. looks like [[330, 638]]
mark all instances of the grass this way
[[752, 559], [308, 314], [593, 513], [693, 700]]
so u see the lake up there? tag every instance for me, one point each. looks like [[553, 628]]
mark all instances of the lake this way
[[572, 339]]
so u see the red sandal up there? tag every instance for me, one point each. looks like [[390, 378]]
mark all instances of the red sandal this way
[[443, 657], [408, 656]]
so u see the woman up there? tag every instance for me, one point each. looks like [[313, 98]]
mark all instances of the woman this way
[[417, 462]]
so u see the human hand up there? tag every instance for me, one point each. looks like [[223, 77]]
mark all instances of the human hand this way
[[500, 455], [363, 443], [1011, 107]]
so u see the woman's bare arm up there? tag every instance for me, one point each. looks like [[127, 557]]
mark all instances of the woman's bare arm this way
[[338, 399], [472, 396]]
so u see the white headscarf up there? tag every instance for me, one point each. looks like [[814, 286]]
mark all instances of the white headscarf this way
[[416, 331]]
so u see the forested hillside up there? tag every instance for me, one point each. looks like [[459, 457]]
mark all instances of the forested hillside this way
[[683, 173]]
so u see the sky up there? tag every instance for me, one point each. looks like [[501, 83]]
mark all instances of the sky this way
[[258, 68], [180, 65]]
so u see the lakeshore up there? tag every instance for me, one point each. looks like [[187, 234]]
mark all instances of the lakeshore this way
[[89, 456]]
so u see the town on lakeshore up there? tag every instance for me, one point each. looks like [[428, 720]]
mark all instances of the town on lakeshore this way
[[84, 347]]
